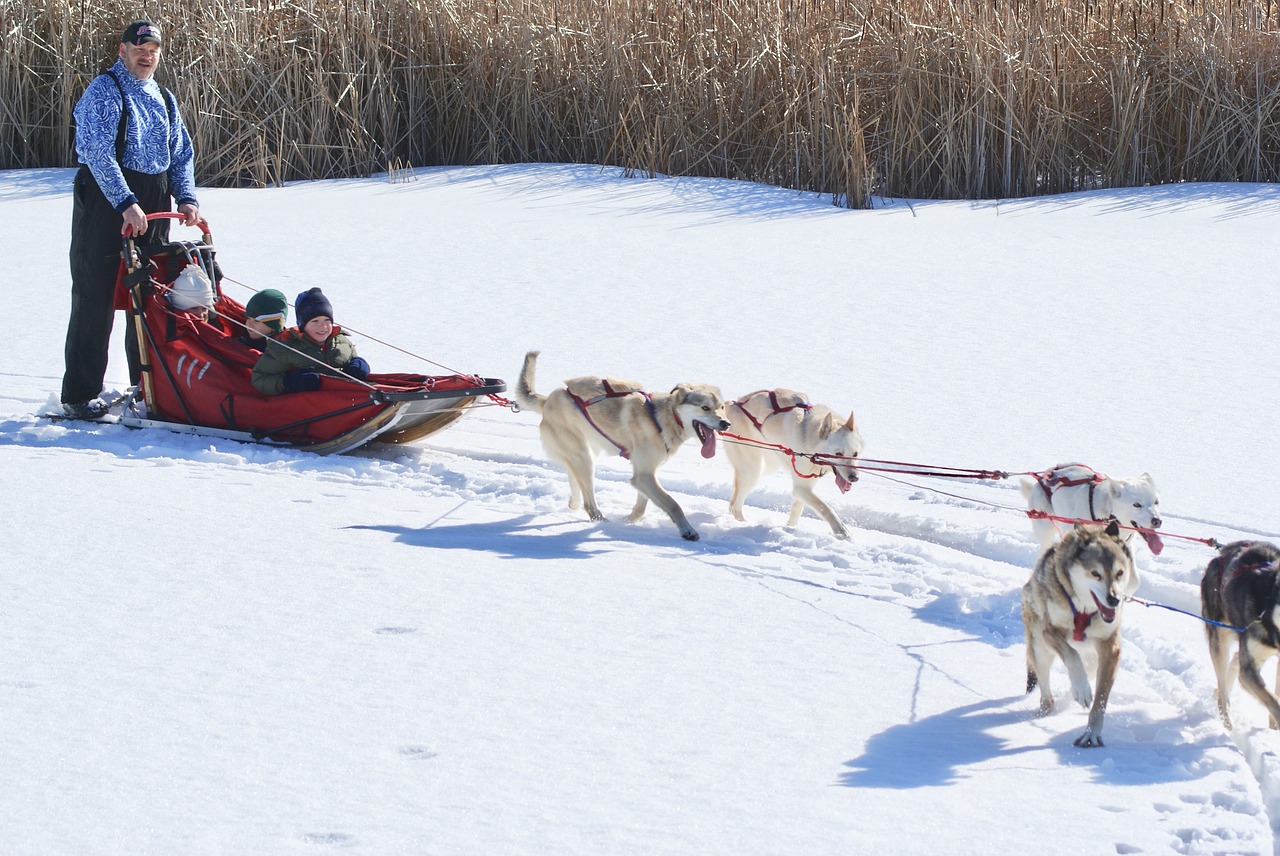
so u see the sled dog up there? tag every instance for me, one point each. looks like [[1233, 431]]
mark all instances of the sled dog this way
[[1072, 603], [1239, 589], [783, 417], [592, 415], [1081, 493]]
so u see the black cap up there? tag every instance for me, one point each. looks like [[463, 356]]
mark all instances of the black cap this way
[[141, 32]]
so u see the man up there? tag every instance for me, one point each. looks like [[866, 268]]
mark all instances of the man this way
[[135, 155]]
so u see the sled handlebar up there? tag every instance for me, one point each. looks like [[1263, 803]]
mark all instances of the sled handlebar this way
[[201, 224]]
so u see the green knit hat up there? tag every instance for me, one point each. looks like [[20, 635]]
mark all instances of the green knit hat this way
[[270, 307]]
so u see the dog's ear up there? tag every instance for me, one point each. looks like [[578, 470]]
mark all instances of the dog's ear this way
[[1113, 528], [851, 425], [825, 427]]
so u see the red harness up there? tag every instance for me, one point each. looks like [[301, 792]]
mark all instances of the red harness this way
[[1050, 481], [1225, 579], [609, 392], [775, 409], [1081, 623], [773, 403]]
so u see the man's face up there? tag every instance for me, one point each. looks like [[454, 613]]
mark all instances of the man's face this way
[[141, 60]]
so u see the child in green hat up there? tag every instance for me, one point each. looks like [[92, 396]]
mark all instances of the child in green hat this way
[[264, 317]]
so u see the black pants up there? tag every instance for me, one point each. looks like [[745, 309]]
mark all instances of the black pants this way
[[95, 260]]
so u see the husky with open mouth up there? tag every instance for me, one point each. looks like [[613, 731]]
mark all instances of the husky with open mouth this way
[[776, 422], [593, 415], [1072, 604], [1082, 493]]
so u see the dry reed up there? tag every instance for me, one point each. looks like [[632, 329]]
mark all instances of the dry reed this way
[[916, 98]]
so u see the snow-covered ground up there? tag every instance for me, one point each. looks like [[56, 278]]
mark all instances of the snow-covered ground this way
[[209, 647]]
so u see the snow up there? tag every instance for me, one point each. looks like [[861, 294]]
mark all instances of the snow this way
[[210, 647]]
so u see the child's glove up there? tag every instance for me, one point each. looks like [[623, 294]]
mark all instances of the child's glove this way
[[307, 380], [357, 368]]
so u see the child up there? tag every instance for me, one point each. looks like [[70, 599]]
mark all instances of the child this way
[[264, 316], [191, 292], [295, 361]]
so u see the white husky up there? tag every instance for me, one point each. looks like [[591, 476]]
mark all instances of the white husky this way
[[783, 417], [593, 415], [1078, 492]]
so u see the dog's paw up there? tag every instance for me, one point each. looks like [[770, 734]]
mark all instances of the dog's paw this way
[[1089, 739], [1082, 694], [1046, 707], [689, 536]]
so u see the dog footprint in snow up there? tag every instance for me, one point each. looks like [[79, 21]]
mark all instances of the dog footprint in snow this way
[[417, 753], [395, 631], [334, 839]]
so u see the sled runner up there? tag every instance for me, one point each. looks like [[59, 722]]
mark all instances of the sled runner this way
[[195, 374]]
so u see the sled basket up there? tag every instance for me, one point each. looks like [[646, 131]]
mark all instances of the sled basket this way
[[196, 374]]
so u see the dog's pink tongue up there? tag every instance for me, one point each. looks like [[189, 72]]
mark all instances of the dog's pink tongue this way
[[708, 443], [843, 483], [1153, 541]]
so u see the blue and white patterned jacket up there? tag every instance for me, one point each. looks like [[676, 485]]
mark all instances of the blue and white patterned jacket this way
[[151, 146]]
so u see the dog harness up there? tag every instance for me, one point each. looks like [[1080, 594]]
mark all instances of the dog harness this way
[[584, 405], [1245, 569], [777, 408], [773, 403], [1273, 633], [1050, 481], [1080, 623]]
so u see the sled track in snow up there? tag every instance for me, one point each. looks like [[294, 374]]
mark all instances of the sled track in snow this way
[[955, 560]]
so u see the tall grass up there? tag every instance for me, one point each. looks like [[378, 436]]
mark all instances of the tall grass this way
[[918, 98]]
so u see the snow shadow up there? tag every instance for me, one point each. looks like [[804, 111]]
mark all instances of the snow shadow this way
[[995, 619], [933, 750], [516, 538], [21, 184]]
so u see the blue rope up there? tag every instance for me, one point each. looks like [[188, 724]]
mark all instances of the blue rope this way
[[1185, 612]]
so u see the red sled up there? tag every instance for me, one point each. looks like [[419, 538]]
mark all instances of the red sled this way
[[195, 374]]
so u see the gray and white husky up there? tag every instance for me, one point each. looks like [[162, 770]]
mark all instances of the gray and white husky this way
[[1239, 588], [785, 418], [593, 415], [1073, 603]]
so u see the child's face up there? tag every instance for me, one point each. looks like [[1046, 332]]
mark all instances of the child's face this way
[[257, 329], [318, 329], [200, 312]]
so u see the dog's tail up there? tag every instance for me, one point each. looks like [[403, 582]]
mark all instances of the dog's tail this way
[[526, 398], [1032, 680]]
